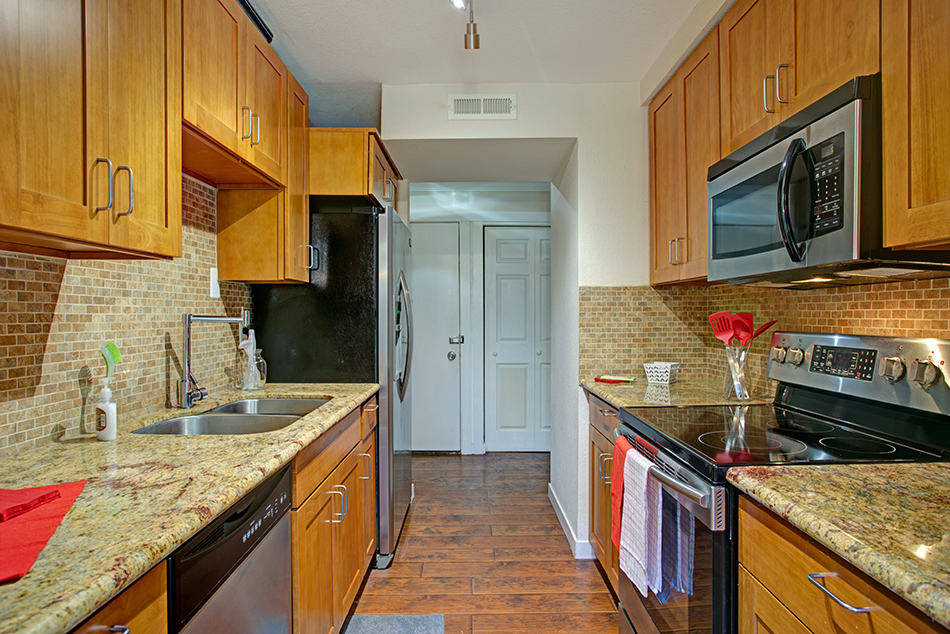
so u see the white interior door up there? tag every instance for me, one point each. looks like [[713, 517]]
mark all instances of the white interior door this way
[[436, 385], [517, 338]]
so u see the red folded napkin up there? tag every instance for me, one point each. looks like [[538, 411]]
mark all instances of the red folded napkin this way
[[621, 447], [25, 535], [15, 502]]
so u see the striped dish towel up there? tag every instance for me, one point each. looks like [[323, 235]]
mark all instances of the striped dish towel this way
[[640, 534]]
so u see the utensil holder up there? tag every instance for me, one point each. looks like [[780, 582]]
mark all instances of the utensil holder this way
[[736, 383]]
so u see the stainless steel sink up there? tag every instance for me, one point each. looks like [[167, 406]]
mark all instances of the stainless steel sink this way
[[220, 424], [296, 406]]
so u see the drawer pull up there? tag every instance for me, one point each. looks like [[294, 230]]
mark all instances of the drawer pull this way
[[815, 576], [371, 408], [120, 629], [607, 413]]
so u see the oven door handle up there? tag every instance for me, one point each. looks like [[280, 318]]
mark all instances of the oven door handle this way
[[697, 496], [795, 250]]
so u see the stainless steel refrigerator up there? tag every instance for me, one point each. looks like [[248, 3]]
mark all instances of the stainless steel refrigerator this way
[[352, 324]]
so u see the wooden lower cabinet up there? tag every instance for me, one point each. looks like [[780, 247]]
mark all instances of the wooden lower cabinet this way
[[333, 530], [778, 559], [760, 612], [142, 607], [601, 466]]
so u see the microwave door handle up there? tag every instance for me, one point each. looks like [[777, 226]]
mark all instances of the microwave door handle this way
[[795, 250]]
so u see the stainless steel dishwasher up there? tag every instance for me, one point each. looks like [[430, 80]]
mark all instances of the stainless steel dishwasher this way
[[234, 575]]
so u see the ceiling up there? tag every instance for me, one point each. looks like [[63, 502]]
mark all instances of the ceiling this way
[[349, 46], [481, 160]]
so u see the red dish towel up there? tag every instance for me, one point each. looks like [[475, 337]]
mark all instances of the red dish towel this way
[[621, 447], [24, 536], [15, 502]]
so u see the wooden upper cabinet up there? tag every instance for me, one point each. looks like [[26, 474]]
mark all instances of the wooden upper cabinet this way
[[750, 48], [297, 226], [234, 99], [700, 79], [352, 162], [145, 125], [833, 43], [667, 180], [214, 61], [266, 97], [110, 64], [915, 79], [684, 142]]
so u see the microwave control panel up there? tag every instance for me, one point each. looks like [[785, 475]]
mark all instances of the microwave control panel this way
[[827, 212], [851, 363]]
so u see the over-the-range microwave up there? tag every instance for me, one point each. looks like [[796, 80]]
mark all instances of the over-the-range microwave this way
[[801, 204]]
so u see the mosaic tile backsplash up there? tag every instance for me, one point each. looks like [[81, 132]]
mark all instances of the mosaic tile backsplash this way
[[622, 327], [56, 314]]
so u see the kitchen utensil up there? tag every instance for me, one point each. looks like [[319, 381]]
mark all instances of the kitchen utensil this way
[[762, 329], [742, 327], [721, 323]]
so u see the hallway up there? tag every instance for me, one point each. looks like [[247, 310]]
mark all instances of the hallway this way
[[483, 547]]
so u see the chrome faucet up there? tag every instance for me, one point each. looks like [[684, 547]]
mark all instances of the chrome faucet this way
[[188, 389]]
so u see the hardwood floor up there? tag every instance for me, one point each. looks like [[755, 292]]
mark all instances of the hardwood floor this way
[[483, 546]]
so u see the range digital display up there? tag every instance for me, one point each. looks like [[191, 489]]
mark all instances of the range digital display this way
[[850, 363]]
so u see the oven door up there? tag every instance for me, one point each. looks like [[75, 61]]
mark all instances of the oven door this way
[[711, 606], [792, 206]]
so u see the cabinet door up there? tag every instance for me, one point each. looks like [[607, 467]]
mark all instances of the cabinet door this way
[[601, 458], [832, 45], [54, 104], [700, 84], [142, 607], [314, 557], [144, 47], [297, 203], [266, 95], [377, 172], [667, 186], [367, 455], [760, 612], [213, 36], [347, 537], [915, 78], [753, 36]]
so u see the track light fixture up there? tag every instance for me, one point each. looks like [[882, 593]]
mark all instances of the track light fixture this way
[[471, 29]]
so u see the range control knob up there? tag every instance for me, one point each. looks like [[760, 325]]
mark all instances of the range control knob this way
[[778, 354], [925, 373], [893, 368], [795, 356]]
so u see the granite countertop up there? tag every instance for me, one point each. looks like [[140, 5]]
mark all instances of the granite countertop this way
[[678, 394], [145, 495], [890, 520]]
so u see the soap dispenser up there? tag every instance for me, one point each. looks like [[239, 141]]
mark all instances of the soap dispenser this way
[[106, 422]]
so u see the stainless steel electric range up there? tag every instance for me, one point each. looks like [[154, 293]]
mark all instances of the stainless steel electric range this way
[[839, 399]]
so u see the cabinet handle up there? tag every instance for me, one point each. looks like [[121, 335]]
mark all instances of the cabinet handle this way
[[676, 244], [250, 123], [111, 183], [120, 629], [126, 168], [778, 83], [765, 93], [314, 258], [601, 462], [607, 413], [345, 500], [670, 249], [342, 502], [371, 408], [815, 576], [257, 139], [366, 455]]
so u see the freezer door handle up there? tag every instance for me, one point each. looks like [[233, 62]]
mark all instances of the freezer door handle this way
[[404, 378]]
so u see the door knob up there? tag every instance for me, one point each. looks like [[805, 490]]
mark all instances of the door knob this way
[[451, 355], [539, 353], [494, 354]]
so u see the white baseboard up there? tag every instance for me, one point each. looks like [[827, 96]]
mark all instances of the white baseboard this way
[[581, 548]]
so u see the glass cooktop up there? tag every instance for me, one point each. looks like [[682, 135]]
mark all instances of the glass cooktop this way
[[713, 438]]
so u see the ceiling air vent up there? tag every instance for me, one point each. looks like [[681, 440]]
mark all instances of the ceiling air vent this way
[[483, 107]]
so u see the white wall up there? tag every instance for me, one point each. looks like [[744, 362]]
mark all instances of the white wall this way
[[599, 226], [612, 168]]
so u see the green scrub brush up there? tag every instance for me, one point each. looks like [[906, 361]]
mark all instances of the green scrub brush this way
[[110, 353]]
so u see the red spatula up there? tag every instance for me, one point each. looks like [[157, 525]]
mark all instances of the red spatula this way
[[721, 323], [763, 328]]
